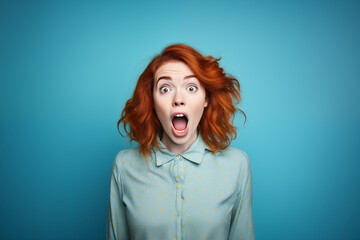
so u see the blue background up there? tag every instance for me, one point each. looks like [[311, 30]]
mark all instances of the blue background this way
[[67, 69]]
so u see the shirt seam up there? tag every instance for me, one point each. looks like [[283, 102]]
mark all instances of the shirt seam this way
[[120, 177]]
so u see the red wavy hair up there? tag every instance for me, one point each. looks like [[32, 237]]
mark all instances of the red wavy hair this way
[[222, 90]]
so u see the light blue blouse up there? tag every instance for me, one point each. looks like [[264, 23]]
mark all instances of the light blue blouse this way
[[190, 196]]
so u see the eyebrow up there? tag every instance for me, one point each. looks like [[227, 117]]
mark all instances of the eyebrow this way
[[169, 78]]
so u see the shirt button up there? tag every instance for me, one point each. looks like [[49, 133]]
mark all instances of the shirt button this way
[[178, 157]]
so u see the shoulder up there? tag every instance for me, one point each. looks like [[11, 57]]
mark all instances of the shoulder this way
[[237, 154], [126, 155], [238, 157]]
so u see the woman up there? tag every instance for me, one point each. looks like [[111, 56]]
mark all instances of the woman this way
[[183, 181]]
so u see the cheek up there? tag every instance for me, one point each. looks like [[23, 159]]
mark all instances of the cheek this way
[[201, 107], [198, 109], [160, 109]]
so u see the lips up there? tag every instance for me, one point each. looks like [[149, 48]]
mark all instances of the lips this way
[[179, 123]]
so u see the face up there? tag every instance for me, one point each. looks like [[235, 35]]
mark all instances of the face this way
[[179, 104]]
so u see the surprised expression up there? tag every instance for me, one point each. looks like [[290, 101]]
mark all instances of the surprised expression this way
[[179, 101]]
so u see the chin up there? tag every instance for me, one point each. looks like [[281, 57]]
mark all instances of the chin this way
[[183, 139], [180, 140]]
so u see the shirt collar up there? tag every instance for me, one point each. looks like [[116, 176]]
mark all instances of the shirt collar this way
[[195, 153]]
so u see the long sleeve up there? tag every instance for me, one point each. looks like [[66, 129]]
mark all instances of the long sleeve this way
[[117, 228], [242, 220]]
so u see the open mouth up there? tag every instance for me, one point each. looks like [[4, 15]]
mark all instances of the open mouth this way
[[179, 122]]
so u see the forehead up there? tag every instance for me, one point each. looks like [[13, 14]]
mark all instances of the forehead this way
[[173, 68]]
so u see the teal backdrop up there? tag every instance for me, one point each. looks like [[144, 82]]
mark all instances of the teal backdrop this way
[[68, 67]]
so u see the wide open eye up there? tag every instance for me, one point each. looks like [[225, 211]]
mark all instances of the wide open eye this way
[[192, 88], [164, 89]]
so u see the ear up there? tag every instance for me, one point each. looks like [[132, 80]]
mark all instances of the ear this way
[[206, 101]]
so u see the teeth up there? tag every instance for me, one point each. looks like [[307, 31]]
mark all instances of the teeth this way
[[179, 115], [180, 131]]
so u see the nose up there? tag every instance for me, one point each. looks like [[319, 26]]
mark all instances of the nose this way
[[178, 100]]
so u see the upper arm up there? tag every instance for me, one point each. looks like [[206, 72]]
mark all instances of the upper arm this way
[[117, 227], [242, 219]]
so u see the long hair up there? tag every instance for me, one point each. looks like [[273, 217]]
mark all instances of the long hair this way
[[222, 90]]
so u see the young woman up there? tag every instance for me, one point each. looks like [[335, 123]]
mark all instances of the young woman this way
[[183, 181]]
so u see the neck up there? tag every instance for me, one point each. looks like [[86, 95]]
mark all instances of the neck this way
[[177, 147]]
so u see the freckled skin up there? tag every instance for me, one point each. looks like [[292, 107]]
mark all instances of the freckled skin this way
[[177, 93]]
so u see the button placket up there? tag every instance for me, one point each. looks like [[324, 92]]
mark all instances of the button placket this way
[[178, 171], [182, 180], [178, 187]]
